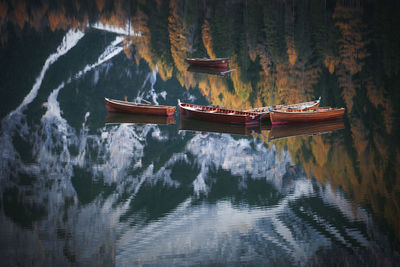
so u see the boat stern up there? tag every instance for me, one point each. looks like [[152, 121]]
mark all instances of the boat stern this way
[[170, 111]]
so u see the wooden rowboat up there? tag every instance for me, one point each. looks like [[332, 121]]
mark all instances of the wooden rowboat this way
[[118, 118], [304, 129], [209, 62], [286, 116], [113, 105], [220, 115], [298, 106]]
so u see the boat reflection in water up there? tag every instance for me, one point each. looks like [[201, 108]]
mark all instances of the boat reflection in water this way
[[115, 118], [210, 70], [205, 126], [299, 129]]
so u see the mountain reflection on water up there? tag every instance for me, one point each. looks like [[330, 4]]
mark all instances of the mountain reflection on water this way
[[79, 186]]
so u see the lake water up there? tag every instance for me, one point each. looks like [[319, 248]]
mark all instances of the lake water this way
[[83, 187]]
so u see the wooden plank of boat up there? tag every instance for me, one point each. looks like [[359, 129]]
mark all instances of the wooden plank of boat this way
[[301, 129], [286, 116], [117, 118], [219, 115], [299, 106], [113, 105], [209, 62]]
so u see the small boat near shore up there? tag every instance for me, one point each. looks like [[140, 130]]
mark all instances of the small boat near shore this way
[[209, 62], [113, 105], [219, 115], [287, 115], [297, 106]]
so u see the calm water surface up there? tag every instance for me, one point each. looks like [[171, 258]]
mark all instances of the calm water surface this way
[[80, 186]]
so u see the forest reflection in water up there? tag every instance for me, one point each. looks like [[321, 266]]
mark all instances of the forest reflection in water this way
[[82, 186]]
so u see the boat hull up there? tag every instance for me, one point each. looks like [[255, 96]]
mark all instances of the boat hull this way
[[113, 105], [219, 115], [319, 114], [205, 62]]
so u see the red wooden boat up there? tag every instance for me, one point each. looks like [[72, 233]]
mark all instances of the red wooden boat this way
[[220, 115], [299, 106], [113, 105], [286, 115], [209, 62]]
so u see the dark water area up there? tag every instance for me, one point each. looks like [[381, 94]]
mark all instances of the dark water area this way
[[83, 187]]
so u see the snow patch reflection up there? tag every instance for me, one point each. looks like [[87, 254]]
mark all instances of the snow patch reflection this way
[[142, 93], [243, 157], [14, 123], [126, 30]]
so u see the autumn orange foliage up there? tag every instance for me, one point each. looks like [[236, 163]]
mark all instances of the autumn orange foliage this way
[[179, 43], [20, 13], [207, 40]]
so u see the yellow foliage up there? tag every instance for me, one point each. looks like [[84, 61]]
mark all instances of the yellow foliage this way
[[121, 12], [331, 63], [142, 43], [291, 50], [179, 43], [189, 80], [294, 83], [127, 45], [292, 55], [352, 44], [21, 14], [165, 70], [265, 60], [320, 151], [257, 101], [205, 88], [206, 36], [219, 87], [242, 89], [294, 145], [56, 19]]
